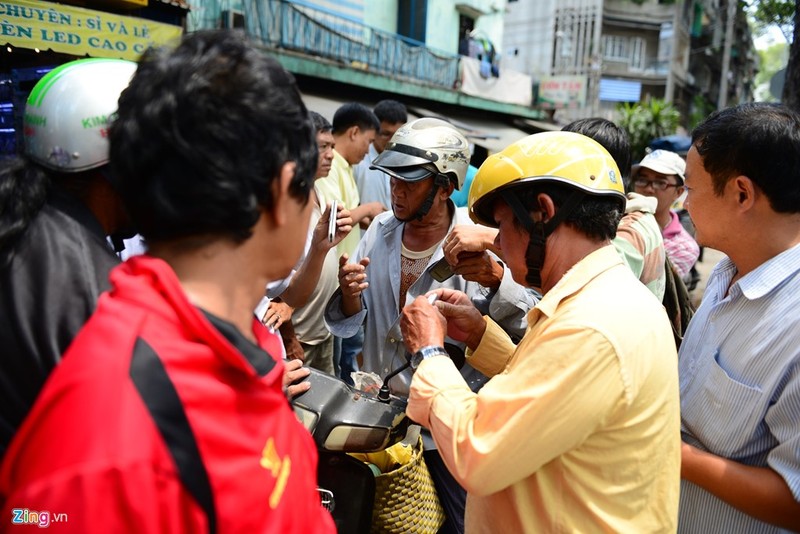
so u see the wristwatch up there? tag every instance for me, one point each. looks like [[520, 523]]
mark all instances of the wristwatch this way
[[424, 353]]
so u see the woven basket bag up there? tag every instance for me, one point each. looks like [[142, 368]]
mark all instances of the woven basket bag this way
[[405, 499]]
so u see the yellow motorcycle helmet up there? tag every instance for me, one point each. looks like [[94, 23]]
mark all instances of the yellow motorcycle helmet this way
[[565, 158]]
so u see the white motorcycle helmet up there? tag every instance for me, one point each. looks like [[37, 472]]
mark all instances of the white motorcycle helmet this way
[[67, 113], [424, 147]]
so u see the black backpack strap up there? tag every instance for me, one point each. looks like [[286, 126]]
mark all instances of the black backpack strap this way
[[161, 398]]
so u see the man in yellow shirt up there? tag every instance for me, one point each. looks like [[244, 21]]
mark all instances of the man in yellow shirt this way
[[354, 128], [578, 429]]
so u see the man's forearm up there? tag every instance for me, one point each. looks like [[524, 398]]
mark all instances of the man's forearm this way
[[350, 305], [292, 346], [757, 491], [365, 211], [305, 279]]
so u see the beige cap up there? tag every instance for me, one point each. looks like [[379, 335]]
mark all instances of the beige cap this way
[[663, 162]]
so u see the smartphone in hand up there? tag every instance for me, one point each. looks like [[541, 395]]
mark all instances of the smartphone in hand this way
[[332, 221], [441, 270]]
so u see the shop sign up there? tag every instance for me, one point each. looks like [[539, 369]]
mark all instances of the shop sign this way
[[558, 92], [78, 32]]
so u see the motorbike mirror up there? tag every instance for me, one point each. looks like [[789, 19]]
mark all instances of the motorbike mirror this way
[[456, 354], [383, 393]]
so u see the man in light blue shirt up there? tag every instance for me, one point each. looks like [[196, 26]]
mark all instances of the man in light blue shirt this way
[[740, 359], [373, 184], [460, 196]]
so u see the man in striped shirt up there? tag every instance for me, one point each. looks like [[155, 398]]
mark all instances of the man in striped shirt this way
[[638, 240], [740, 360]]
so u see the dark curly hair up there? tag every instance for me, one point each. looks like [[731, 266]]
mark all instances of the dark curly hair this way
[[202, 132]]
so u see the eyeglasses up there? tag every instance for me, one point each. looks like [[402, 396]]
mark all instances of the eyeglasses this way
[[657, 185]]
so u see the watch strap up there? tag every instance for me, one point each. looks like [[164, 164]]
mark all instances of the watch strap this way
[[430, 351]]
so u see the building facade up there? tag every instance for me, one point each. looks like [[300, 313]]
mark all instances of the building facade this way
[[586, 56], [441, 58]]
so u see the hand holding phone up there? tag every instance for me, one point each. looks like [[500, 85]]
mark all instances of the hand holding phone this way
[[332, 220], [441, 270]]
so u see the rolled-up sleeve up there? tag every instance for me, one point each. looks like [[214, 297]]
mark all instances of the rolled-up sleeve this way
[[546, 403], [337, 322], [495, 349], [508, 305]]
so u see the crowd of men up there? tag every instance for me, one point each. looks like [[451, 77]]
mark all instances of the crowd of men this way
[[555, 381]]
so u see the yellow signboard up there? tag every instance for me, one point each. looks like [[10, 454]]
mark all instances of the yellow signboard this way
[[78, 32]]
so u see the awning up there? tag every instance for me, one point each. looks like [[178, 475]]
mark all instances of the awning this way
[[538, 126], [493, 135], [324, 105], [78, 32]]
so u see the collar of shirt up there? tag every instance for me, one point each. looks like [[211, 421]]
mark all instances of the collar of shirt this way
[[152, 283], [257, 356], [764, 278], [575, 279], [338, 160], [674, 227], [372, 153]]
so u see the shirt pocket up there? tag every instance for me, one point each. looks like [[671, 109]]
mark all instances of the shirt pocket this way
[[727, 412]]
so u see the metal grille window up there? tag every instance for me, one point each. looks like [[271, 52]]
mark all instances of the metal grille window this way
[[637, 58], [577, 36], [630, 50], [615, 48]]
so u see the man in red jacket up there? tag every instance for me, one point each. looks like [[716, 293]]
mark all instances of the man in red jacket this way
[[166, 416]]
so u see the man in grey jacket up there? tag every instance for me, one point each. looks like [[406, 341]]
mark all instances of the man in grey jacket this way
[[397, 260]]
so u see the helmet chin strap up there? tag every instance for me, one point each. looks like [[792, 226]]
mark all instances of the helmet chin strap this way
[[440, 180], [539, 232], [534, 255]]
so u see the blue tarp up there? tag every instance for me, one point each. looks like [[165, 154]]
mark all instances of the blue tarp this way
[[674, 143]]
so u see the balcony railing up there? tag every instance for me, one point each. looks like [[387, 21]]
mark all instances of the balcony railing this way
[[307, 30]]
